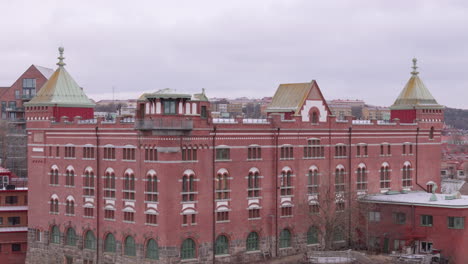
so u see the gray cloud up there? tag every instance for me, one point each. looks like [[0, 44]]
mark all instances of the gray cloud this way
[[354, 49]]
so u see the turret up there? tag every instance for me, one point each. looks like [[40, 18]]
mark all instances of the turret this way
[[60, 97], [415, 102]]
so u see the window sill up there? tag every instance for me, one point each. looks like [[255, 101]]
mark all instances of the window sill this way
[[312, 158], [194, 260], [129, 160], [426, 225], [109, 219], [286, 158], [222, 255], [254, 159], [286, 216], [256, 251], [224, 221], [223, 160], [255, 218], [88, 159], [128, 222]]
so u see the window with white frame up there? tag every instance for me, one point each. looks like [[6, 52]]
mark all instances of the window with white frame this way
[[385, 176]]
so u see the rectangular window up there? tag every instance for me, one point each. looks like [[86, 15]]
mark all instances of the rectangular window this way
[[426, 247], [223, 154], [222, 216], [1, 220], [14, 220], [189, 219], [340, 207], [169, 107], [189, 153], [456, 222], [29, 88], [128, 154], [57, 151], [129, 216], [254, 213], [286, 211], [398, 244], [11, 200], [399, 218], [314, 149], [69, 152], [109, 214], [314, 208], [426, 220], [88, 212], [340, 151], [68, 260], [151, 219], [15, 247], [374, 216], [204, 112], [88, 152], [287, 152], [151, 154], [254, 153], [109, 153], [17, 94]]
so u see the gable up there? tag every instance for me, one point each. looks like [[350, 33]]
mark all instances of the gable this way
[[316, 102]]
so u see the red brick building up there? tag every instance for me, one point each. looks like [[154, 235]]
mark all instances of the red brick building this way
[[13, 218], [175, 184]]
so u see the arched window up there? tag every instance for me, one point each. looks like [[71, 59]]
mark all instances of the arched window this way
[[406, 177], [54, 176], [54, 205], [130, 249], [70, 207], [339, 179], [129, 185], [286, 182], [71, 237], [222, 185], [88, 183], [312, 235], [361, 177], [312, 180], [222, 245], [285, 238], [431, 133], [109, 243], [314, 117], [152, 250], [69, 177], [187, 251], [338, 235], [90, 240], [252, 241], [151, 187], [253, 184], [55, 235], [109, 184], [188, 186], [385, 176]]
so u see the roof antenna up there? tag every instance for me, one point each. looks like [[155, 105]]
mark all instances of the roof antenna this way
[[414, 72]]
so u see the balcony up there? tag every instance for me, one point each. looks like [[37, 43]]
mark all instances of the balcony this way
[[164, 124], [27, 97], [14, 109]]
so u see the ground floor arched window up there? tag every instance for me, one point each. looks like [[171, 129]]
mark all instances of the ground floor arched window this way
[[187, 251]]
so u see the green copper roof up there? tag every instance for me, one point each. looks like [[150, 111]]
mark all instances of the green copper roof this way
[[415, 94], [61, 90]]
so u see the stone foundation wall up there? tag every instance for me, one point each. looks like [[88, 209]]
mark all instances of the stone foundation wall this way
[[40, 252]]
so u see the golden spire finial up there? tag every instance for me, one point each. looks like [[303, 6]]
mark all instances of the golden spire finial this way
[[414, 72], [61, 57]]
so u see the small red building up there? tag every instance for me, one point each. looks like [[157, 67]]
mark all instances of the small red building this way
[[176, 185], [13, 218], [418, 223]]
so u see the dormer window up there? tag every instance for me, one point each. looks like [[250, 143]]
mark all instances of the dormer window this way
[[169, 107]]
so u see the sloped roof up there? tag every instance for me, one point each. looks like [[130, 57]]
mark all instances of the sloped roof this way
[[61, 90], [47, 72], [164, 93], [289, 97], [415, 94]]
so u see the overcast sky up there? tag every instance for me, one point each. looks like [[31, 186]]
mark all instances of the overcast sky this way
[[354, 49]]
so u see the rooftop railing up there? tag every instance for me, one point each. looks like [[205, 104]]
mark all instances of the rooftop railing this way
[[164, 124]]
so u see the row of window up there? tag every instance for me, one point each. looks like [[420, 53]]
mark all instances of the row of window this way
[[188, 249], [399, 218], [312, 150], [11, 220], [222, 180]]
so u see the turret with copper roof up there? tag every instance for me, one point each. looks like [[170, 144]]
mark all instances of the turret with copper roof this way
[[60, 97], [415, 102]]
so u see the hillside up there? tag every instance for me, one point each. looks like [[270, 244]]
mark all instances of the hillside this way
[[457, 118]]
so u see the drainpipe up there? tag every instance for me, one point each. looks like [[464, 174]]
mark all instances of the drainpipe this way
[[98, 196], [214, 192], [276, 192], [350, 130], [416, 160]]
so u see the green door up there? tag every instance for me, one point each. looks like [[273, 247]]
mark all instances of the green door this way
[[386, 245]]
